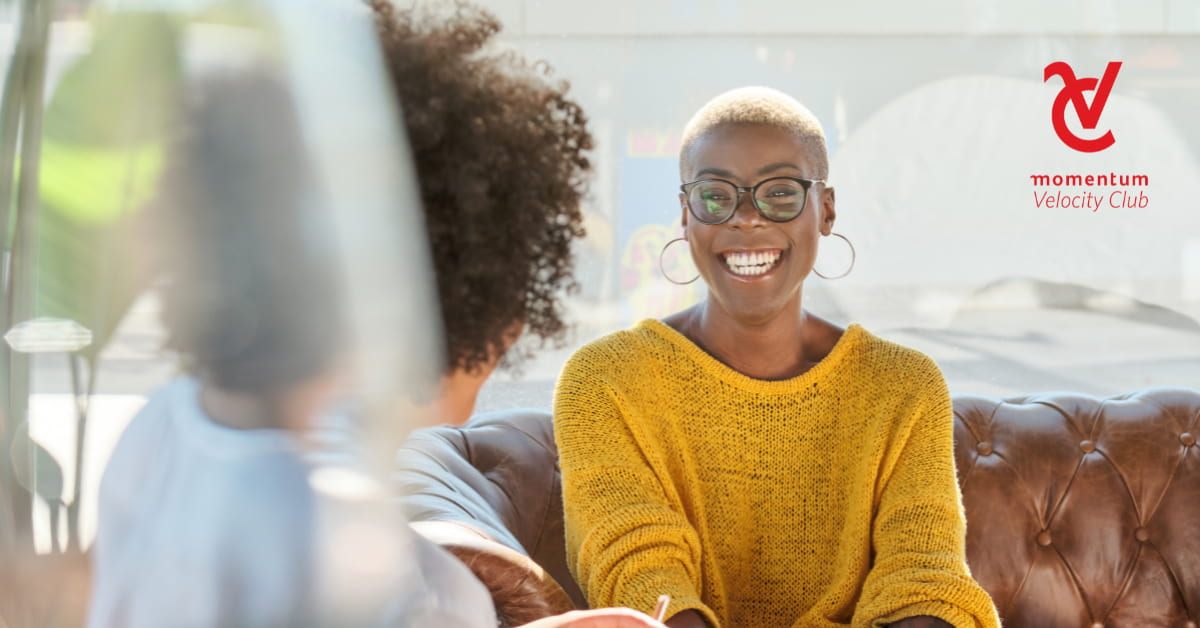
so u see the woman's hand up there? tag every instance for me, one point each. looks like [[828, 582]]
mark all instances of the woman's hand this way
[[598, 618], [923, 621], [687, 619]]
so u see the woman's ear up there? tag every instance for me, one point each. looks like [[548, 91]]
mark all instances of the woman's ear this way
[[683, 206], [828, 210]]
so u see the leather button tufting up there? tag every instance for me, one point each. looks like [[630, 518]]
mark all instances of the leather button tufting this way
[[1188, 440], [1087, 446], [1190, 624], [1043, 538], [1141, 534], [984, 448], [1098, 625]]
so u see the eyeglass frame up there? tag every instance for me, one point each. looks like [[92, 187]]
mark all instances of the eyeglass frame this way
[[807, 184]]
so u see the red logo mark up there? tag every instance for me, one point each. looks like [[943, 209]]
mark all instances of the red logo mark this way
[[1089, 116]]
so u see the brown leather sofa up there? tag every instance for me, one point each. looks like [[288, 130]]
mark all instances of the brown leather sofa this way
[[1080, 511]]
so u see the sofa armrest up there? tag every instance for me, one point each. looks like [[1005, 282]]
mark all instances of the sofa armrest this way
[[521, 590]]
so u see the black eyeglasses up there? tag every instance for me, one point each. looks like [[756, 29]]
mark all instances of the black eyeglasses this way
[[778, 199]]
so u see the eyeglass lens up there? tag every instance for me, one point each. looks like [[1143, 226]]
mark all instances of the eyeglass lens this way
[[715, 201]]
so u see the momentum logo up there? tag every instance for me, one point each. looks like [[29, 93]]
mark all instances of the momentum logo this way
[[1130, 192], [1089, 115], [1086, 191]]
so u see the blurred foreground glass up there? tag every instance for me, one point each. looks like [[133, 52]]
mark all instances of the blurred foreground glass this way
[[253, 149]]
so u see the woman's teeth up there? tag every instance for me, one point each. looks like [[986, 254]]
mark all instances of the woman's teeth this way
[[752, 263]]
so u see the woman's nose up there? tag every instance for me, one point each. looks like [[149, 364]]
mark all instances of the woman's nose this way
[[746, 213]]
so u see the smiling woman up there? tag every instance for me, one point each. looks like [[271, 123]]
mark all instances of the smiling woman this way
[[754, 264], [759, 464]]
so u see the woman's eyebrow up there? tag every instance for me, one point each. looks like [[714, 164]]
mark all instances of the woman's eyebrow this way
[[777, 166], [764, 170], [717, 171]]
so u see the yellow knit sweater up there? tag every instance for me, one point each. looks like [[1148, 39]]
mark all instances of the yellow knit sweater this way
[[828, 499]]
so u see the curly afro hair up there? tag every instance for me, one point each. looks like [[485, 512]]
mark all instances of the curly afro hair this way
[[501, 158]]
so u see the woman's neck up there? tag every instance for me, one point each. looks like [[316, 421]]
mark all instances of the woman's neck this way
[[460, 390], [293, 408], [460, 386], [243, 411], [782, 347]]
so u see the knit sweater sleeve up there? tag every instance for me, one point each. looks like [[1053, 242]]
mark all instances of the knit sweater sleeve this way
[[919, 531], [627, 540]]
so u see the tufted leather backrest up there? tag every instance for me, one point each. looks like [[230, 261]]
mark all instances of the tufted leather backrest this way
[[1080, 511], [1084, 511]]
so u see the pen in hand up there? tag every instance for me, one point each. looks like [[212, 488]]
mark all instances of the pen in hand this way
[[660, 609]]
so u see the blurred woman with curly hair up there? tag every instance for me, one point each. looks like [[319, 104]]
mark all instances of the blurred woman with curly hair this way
[[501, 158]]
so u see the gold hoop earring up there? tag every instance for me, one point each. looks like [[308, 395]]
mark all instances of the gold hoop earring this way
[[853, 256], [662, 270]]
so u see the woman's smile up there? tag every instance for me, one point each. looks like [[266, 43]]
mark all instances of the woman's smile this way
[[752, 263]]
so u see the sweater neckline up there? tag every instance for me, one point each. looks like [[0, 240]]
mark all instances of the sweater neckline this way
[[853, 335]]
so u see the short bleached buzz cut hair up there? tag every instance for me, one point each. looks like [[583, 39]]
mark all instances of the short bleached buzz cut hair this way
[[758, 106]]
